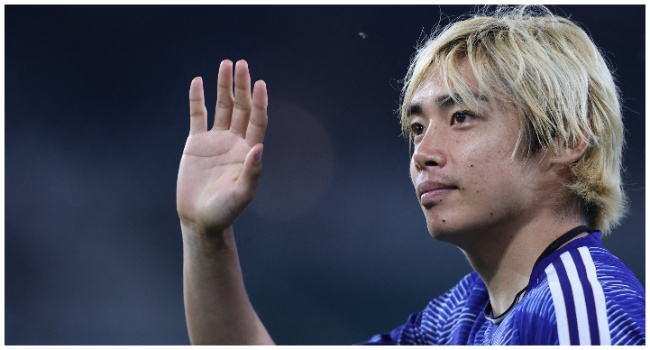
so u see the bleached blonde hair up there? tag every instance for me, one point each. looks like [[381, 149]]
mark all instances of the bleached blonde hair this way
[[558, 80]]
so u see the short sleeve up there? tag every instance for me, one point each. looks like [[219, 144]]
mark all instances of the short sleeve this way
[[402, 335], [447, 319]]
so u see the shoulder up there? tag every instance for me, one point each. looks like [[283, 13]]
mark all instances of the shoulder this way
[[624, 297], [446, 319], [449, 318], [586, 295], [470, 285]]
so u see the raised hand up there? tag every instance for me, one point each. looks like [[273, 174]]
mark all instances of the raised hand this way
[[220, 167]]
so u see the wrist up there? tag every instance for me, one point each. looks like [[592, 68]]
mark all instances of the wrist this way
[[198, 237]]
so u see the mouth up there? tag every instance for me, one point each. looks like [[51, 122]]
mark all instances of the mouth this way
[[431, 193]]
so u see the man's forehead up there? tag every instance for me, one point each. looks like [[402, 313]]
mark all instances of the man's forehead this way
[[430, 87], [433, 92], [434, 78], [426, 92]]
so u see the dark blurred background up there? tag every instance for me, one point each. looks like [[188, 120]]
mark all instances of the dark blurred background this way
[[334, 248]]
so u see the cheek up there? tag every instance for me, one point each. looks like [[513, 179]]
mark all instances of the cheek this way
[[474, 156], [484, 162]]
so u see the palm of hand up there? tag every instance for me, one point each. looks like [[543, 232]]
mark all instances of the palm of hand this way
[[218, 171], [211, 164]]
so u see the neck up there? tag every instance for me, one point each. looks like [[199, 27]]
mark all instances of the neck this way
[[504, 258]]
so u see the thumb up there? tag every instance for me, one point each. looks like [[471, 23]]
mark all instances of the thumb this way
[[247, 182]]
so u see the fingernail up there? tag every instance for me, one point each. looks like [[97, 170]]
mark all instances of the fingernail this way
[[258, 157]]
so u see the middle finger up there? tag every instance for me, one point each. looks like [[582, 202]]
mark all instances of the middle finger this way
[[242, 109]]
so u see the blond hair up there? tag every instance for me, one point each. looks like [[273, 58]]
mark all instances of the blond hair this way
[[564, 92]]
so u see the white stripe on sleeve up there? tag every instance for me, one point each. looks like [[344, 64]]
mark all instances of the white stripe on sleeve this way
[[578, 299], [599, 296], [558, 303]]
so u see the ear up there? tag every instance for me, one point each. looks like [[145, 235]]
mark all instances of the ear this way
[[570, 154]]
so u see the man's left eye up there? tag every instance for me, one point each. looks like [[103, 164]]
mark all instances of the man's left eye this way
[[461, 117]]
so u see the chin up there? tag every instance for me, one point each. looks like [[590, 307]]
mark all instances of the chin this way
[[440, 232], [443, 232]]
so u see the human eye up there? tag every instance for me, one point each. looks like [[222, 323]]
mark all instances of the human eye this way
[[462, 117], [417, 129]]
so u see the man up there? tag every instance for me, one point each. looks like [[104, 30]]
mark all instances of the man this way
[[516, 127]]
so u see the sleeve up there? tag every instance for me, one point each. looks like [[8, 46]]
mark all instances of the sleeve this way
[[443, 315], [587, 297], [625, 301], [402, 335]]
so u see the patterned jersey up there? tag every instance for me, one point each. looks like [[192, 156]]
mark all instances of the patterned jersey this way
[[579, 295]]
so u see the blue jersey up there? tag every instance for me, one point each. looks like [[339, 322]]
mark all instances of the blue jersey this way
[[580, 294]]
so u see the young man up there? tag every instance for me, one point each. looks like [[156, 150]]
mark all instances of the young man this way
[[516, 127]]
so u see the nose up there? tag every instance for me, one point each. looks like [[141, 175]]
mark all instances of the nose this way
[[430, 151]]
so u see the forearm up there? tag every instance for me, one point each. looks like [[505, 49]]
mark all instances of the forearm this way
[[217, 307]]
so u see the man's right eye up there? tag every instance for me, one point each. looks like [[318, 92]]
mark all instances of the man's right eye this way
[[417, 129]]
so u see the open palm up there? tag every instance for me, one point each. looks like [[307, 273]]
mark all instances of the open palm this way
[[220, 167]]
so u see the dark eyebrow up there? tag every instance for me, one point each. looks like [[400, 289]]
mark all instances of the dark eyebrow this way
[[414, 109], [442, 101], [447, 100]]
